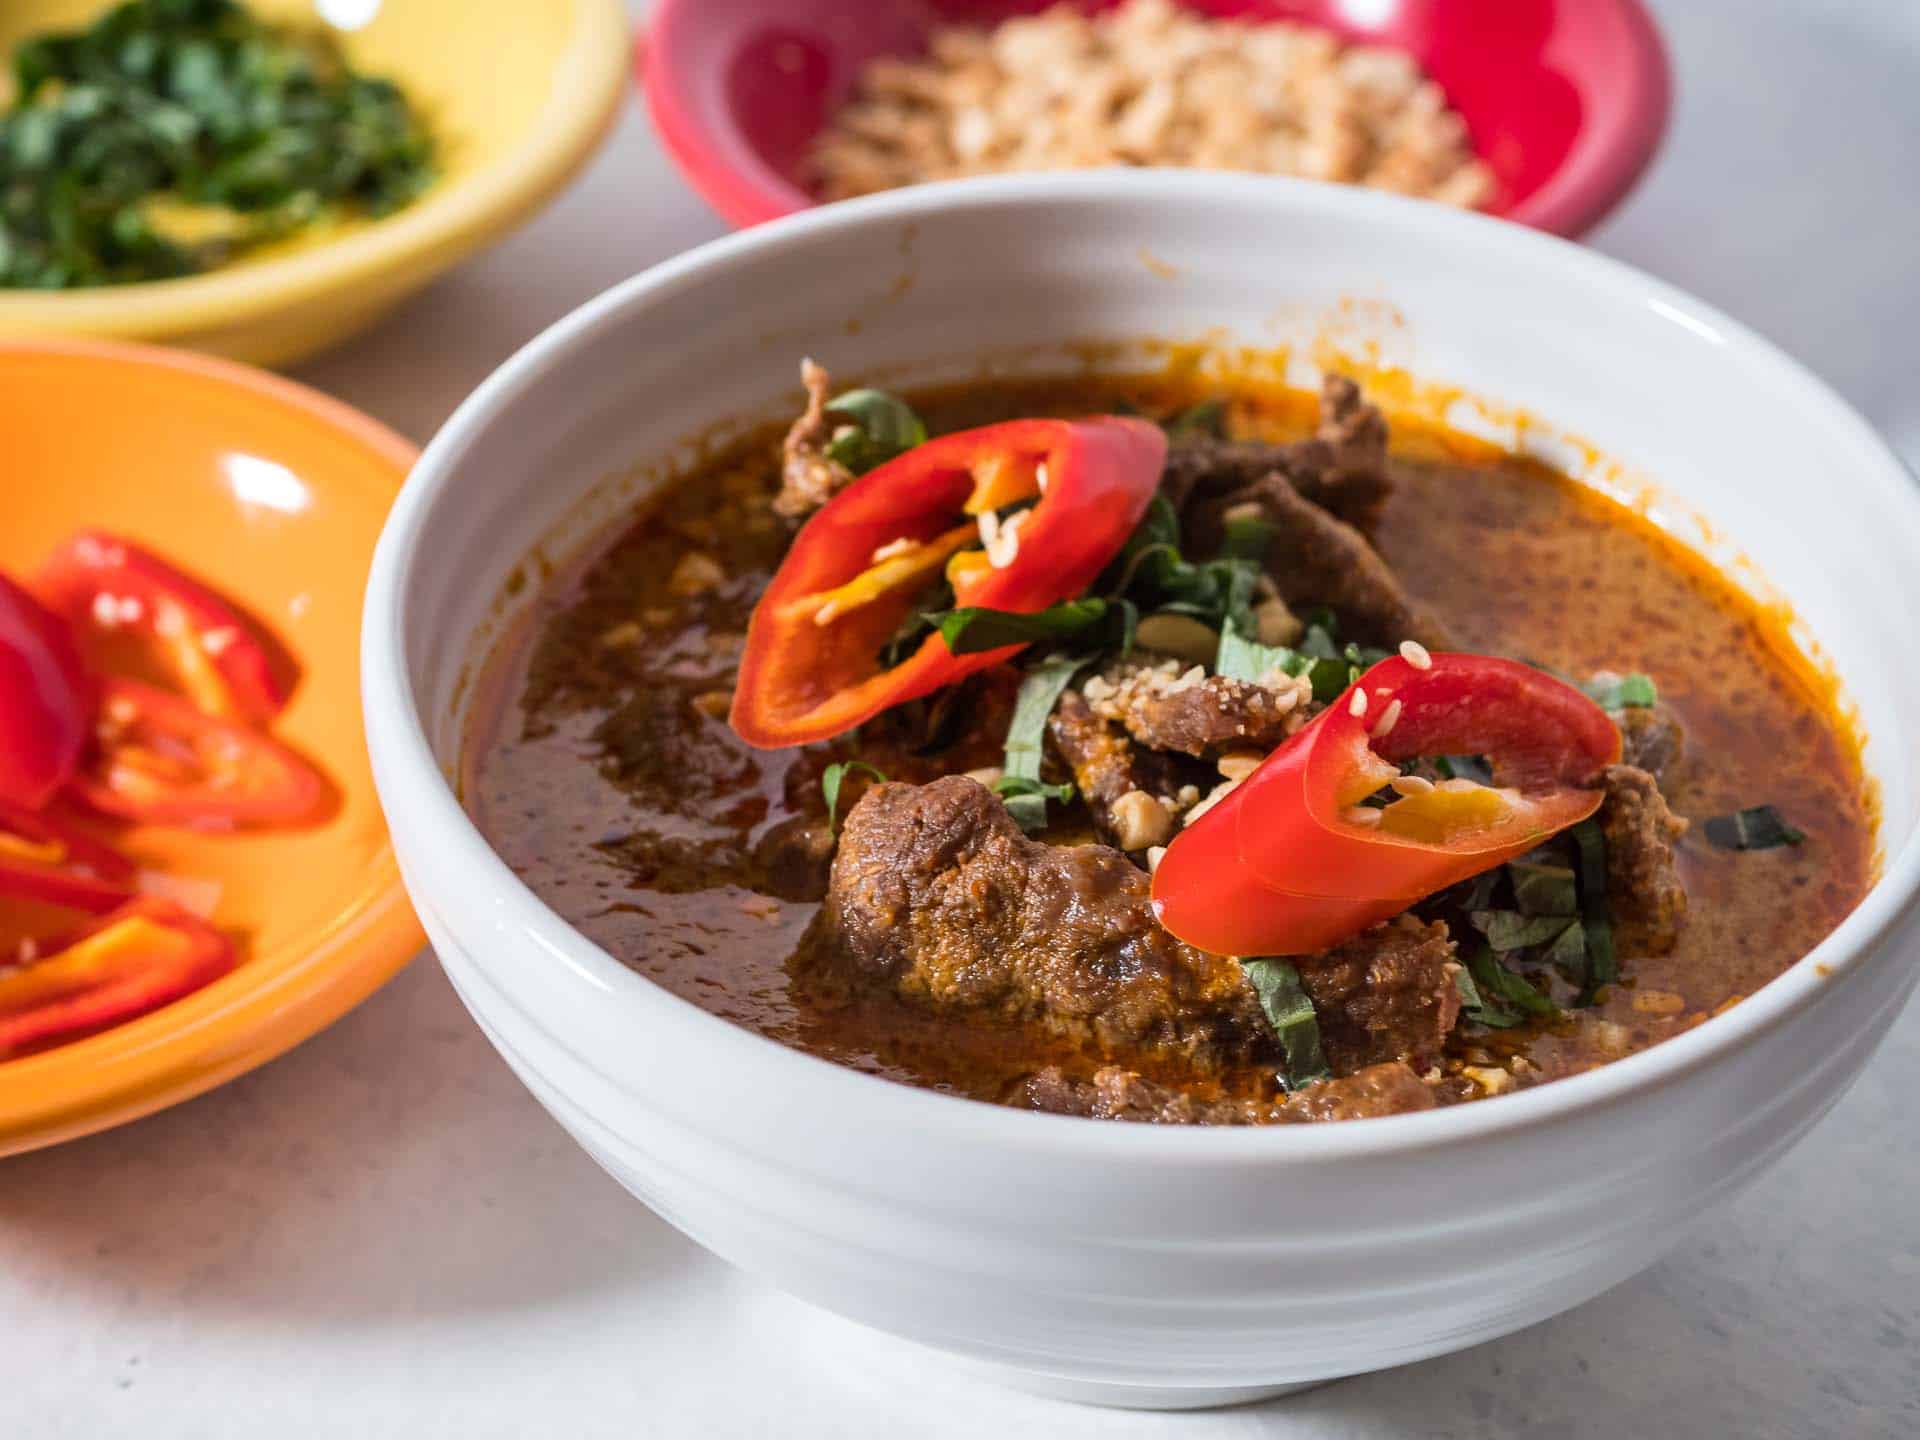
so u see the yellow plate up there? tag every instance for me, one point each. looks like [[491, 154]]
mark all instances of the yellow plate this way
[[274, 495], [519, 93]]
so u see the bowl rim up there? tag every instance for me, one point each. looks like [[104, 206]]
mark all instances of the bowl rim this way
[[412, 783], [242, 1019], [1607, 161], [588, 80]]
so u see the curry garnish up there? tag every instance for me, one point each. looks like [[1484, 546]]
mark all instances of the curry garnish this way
[[834, 776], [1759, 827], [171, 135], [1289, 1010], [878, 426], [1040, 691]]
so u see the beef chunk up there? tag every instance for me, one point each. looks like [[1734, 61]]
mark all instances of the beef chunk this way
[[1343, 468], [937, 897], [1107, 765], [1316, 558], [1650, 738], [1219, 713], [1643, 879], [794, 857], [1389, 1088], [1386, 994], [1118, 1094], [808, 479], [1165, 708]]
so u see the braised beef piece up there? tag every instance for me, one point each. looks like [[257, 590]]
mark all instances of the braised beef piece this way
[[1644, 892], [1389, 1088], [794, 858], [1118, 1094], [1218, 713], [937, 897], [1343, 468], [1107, 765], [1387, 994], [1650, 738], [1316, 558], [808, 479]]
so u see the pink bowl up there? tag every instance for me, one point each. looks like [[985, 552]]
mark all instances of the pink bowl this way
[[1566, 102]]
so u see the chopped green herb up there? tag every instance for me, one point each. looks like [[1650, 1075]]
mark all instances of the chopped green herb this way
[[1622, 692], [1247, 537], [831, 779], [1289, 1010], [1540, 889], [972, 629], [1510, 930], [1495, 980], [170, 135], [1027, 734], [1759, 827], [1603, 966], [882, 427], [1207, 417], [1479, 1009], [1013, 787], [1242, 659]]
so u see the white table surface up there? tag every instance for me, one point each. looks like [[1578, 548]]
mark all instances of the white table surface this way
[[382, 1234]]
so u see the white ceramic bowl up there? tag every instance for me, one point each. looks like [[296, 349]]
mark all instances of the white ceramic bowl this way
[[1119, 1263]]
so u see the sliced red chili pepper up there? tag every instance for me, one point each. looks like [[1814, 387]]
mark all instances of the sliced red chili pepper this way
[[1290, 862], [46, 699], [812, 663], [161, 761], [43, 859], [144, 954], [115, 586]]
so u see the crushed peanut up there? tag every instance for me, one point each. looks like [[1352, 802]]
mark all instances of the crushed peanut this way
[[1658, 1002], [1236, 765], [714, 704], [1139, 821], [697, 573], [1148, 83]]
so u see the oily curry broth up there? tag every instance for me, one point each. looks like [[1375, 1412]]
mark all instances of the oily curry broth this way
[[601, 766]]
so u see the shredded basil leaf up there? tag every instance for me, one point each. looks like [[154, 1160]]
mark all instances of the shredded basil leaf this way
[[1603, 966], [1039, 692], [1208, 417], [1540, 889], [1510, 930], [1622, 692], [1289, 1010], [1760, 827], [1496, 980], [1479, 1009], [1242, 659], [830, 782], [972, 629], [883, 426], [1013, 787]]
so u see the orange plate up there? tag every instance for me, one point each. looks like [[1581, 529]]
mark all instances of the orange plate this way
[[274, 495]]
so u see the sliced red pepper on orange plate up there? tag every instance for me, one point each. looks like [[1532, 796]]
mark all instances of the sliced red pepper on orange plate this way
[[812, 665], [215, 654], [42, 858], [46, 699], [1290, 862], [159, 760], [141, 956]]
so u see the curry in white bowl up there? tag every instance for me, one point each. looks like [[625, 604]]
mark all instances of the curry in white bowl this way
[[1118, 748]]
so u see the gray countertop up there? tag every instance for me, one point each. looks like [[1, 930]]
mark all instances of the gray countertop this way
[[382, 1234]]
